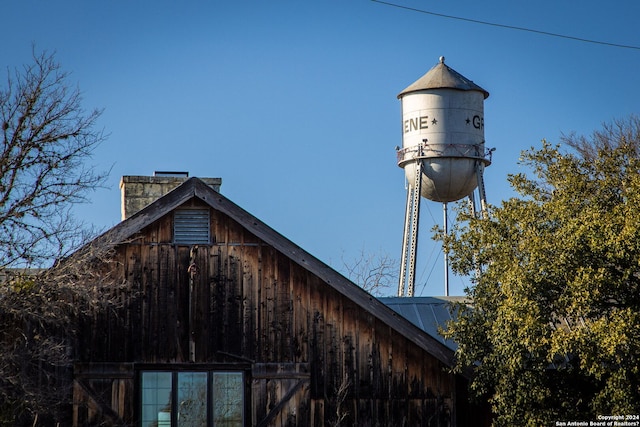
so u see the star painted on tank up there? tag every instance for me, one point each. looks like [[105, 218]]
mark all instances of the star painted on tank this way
[[468, 120], [434, 122]]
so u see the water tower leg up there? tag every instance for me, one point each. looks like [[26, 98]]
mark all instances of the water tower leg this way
[[481, 190], [446, 254], [472, 204], [405, 242], [483, 207], [410, 236]]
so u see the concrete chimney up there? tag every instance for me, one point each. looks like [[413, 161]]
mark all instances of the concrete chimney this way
[[137, 192]]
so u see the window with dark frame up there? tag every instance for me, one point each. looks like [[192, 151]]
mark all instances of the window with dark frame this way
[[192, 398]]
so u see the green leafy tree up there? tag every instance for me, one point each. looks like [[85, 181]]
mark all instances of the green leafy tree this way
[[553, 329]]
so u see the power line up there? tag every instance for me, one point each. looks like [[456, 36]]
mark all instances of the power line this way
[[510, 27]]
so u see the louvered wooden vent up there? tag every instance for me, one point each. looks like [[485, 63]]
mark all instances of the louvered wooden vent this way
[[191, 226]]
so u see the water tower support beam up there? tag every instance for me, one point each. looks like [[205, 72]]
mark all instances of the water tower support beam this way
[[405, 241], [410, 235], [472, 204], [483, 207], [481, 190], [446, 254]]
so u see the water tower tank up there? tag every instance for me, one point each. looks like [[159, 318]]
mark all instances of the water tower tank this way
[[443, 125]]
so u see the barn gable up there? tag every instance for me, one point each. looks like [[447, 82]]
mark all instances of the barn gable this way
[[244, 311]]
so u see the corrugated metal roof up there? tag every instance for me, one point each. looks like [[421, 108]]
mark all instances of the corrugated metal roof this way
[[442, 77], [427, 313]]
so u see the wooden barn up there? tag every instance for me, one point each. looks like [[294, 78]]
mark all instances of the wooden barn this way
[[228, 323]]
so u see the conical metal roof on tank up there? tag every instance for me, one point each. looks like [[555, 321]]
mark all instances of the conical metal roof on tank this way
[[442, 76], [443, 133]]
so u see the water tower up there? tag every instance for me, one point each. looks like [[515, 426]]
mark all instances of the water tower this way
[[443, 153]]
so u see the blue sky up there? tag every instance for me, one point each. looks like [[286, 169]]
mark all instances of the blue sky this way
[[293, 103]]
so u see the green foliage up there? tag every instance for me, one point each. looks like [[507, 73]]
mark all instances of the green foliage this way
[[554, 328], [21, 283]]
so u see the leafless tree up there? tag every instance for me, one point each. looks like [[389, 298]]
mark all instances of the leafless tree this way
[[376, 273], [47, 139], [337, 400], [40, 315], [618, 133]]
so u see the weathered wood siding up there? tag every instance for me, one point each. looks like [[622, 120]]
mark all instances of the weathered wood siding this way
[[314, 355]]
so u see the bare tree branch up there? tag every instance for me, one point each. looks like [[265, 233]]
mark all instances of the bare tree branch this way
[[373, 272], [46, 140], [41, 312]]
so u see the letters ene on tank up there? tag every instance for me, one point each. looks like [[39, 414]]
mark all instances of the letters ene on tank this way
[[422, 122]]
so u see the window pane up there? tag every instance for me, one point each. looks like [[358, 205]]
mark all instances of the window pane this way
[[156, 399], [192, 399], [227, 399]]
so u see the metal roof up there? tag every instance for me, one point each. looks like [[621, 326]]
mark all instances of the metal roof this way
[[427, 313], [443, 77]]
